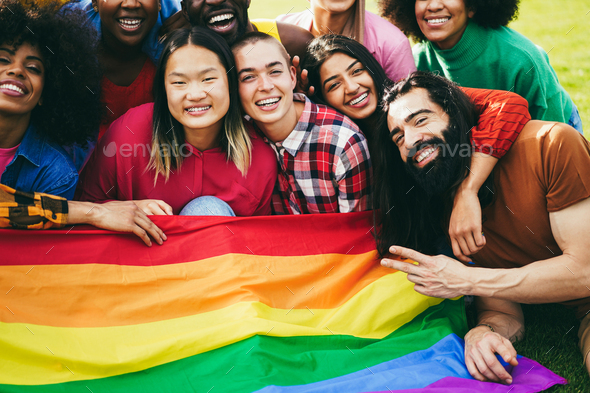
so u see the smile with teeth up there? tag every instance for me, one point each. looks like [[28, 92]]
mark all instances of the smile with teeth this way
[[198, 108], [13, 88], [221, 18], [425, 153], [438, 21], [268, 101], [130, 24], [359, 99]]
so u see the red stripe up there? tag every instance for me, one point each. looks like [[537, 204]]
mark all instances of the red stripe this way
[[193, 239]]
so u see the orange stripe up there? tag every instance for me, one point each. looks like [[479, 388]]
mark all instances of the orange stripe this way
[[94, 295]]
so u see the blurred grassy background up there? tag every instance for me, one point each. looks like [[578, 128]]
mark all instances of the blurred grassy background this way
[[562, 29], [559, 27]]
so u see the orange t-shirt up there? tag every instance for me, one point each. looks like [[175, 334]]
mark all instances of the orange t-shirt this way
[[546, 170]]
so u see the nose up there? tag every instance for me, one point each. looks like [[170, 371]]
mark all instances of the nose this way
[[197, 92], [434, 5], [16, 69], [412, 141], [265, 83], [350, 86], [130, 4]]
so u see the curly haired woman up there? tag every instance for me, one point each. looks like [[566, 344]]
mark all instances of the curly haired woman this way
[[468, 42], [49, 80]]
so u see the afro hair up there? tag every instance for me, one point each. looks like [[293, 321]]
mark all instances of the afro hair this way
[[488, 13], [71, 94]]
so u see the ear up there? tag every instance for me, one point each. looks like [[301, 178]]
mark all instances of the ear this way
[[40, 101], [293, 72], [470, 13], [183, 8], [248, 4], [95, 4]]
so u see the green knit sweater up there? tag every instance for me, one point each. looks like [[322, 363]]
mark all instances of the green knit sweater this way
[[500, 59]]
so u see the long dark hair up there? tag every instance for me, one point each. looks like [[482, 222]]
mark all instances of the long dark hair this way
[[168, 134], [408, 216], [322, 48]]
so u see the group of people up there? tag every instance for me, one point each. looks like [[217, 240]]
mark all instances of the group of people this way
[[191, 108]]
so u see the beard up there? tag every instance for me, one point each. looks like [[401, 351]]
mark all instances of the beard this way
[[436, 177]]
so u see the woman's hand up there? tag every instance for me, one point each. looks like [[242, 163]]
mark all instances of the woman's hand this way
[[154, 207], [481, 347], [465, 227], [119, 216]]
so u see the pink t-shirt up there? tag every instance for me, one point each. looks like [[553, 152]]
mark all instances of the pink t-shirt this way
[[6, 155], [386, 42]]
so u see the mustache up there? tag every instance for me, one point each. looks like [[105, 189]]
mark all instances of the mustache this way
[[434, 141]]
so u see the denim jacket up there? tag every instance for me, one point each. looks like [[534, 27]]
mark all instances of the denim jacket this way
[[40, 165]]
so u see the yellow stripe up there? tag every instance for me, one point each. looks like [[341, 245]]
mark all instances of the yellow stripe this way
[[34, 354]]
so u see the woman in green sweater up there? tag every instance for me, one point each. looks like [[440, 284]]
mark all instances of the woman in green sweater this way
[[468, 42]]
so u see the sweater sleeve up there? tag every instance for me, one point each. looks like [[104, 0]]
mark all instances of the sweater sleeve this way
[[502, 116]]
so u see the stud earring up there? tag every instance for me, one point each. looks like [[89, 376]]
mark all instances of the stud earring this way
[[159, 6], [95, 8]]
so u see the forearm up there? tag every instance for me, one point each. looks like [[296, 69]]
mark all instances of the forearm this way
[[481, 167], [552, 280], [82, 212]]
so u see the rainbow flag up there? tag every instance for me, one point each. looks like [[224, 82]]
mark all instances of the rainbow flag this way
[[268, 304]]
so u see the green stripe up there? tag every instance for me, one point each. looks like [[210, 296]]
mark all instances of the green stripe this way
[[260, 361]]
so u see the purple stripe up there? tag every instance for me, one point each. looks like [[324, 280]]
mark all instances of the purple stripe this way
[[529, 376]]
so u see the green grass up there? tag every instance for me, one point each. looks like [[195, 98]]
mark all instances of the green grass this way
[[561, 28]]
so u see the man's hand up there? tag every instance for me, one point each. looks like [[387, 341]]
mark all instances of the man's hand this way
[[302, 81], [154, 207], [174, 22], [481, 347], [437, 276], [465, 225], [120, 216]]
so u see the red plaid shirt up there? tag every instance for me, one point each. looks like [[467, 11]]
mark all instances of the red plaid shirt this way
[[324, 165]]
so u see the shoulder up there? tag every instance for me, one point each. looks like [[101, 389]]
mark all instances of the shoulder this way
[[337, 124], [550, 139], [518, 43], [302, 19], [385, 32], [134, 126]]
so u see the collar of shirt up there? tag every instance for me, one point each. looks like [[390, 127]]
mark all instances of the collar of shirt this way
[[304, 126], [188, 149], [31, 147]]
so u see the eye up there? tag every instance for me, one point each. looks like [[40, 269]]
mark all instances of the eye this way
[[247, 78], [4, 60], [177, 83], [209, 79], [357, 71], [398, 138], [35, 69], [420, 120], [333, 86], [276, 72]]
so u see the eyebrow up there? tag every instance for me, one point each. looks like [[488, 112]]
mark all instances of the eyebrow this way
[[407, 120], [11, 52], [336, 76], [267, 66], [206, 70]]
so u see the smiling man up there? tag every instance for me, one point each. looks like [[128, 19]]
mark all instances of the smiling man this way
[[536, 217], [229, 18], [323, 156]]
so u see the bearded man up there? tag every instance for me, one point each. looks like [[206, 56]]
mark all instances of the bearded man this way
[[536, 215]]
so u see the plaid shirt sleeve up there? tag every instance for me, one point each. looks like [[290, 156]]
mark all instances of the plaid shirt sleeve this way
[[353, 175], [22, 210]]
